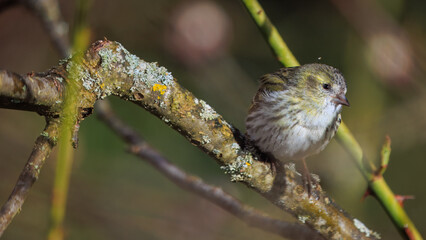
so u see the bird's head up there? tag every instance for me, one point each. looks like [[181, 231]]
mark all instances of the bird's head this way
[[321, 84]]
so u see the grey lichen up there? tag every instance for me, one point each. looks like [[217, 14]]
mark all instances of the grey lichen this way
[[65, 60], [143, 73], [302, 218], [88, 85], [164, 119], [205, 139], [216, 152], [207, 112], [321, 221], [80, 73], [44, 134], [109, 58], [236, 147], [36, 167], [163, 105], [237, 168], [362, 228]]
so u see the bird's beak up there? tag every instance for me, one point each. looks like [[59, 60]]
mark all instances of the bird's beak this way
[[341, 99]]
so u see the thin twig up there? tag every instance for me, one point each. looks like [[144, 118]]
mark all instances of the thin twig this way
[[39, 93], [109, 69], [226, 151], [196, 185], [216, 195], [50, 15], [43, 146]]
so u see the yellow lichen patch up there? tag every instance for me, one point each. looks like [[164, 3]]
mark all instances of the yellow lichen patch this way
[[159, 88], [248, 164]]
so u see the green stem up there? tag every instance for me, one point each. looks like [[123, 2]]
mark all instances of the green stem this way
[[69, 123], [348, 141], [344, 135], [277, 44], [384, 155], [61, 183], [69, 116], [69, 127], [394, 208]]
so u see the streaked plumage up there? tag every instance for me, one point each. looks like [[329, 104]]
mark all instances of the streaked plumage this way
[[296, 111]]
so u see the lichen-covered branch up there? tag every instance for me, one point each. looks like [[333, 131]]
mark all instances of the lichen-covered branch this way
[[43, 146], [213, 194], [107, 68]]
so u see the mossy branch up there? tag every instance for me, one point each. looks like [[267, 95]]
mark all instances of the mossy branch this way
[[107, 68], [376, 182], [139, 147]]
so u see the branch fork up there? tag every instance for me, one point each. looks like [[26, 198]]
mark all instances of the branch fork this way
[[107, 68]]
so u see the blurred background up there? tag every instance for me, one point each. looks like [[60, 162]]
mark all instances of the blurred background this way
[[215, 50]]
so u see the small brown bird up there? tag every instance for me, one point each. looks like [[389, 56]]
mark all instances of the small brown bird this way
[[296, 112]]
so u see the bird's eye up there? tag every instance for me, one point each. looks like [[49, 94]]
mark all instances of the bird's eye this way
[[326, 86]]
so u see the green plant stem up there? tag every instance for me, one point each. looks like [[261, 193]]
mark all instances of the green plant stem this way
[[69, 127], [348, 141], [393, 208], [65, 156], [61, 182], [277, 44], [384, 155], [377, 184]]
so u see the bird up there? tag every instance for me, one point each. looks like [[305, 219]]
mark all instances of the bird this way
[[295, 113]]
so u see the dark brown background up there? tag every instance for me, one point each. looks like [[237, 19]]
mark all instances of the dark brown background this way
[[214, 49]]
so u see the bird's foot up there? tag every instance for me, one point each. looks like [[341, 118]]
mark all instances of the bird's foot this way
[[307, 179]]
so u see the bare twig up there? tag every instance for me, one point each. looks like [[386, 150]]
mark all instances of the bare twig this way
[[50, 15], [194, 184], [135, 80], [109, 69], [43, 146], [41, 93]]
